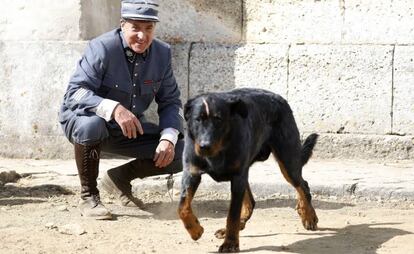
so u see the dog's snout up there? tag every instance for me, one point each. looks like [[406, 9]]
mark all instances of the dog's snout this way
[[205, 145]]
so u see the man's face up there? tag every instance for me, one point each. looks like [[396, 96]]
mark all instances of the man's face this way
[[138, 34]]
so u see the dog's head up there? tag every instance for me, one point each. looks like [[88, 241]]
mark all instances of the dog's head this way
[[209, 119]]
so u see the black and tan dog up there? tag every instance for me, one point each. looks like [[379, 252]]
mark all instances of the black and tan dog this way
[[228, 132]]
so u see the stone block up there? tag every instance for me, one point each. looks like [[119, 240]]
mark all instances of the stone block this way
[[212, 68], [262, 66], [364, 147], [29, 20], [35, 20], [35, 147], [207, 21], [180, 54], [216, 67], [379, 22], [180, 57], [341, 89], [403, 108], [33, 79], [292, 21], [98, 17]]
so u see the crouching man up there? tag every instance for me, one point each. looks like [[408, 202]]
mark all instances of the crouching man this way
[[119, 75]]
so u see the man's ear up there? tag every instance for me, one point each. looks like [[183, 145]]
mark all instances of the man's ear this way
[[122, 22], [238, 106], [187, 109]]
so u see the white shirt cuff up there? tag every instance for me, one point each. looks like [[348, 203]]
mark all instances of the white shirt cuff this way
[[170, 134], [106, 108]]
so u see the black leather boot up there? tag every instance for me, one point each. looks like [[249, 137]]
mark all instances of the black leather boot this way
[[117, 181], [87, 162]]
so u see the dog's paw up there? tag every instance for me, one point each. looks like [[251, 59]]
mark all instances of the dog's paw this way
[[308, 216], [220, 234], [309, 219], [310, 223], [229, 246], [196, 231]]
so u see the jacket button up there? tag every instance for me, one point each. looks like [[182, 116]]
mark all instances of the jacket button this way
[[116, 85]]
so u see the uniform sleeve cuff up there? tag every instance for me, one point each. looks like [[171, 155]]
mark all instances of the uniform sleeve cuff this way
[[106, 108], [170, 134]]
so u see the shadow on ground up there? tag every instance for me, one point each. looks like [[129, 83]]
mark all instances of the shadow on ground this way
[[14, 195], [363, 238], [219, 208]]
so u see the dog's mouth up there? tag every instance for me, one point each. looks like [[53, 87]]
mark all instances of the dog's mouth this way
[[204, 150]]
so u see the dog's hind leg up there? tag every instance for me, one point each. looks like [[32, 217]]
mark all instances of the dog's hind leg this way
[[189, 186], [246, 212], [291, 168]]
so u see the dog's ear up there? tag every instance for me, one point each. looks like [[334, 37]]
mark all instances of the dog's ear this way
[[187, 109], [238, 106]]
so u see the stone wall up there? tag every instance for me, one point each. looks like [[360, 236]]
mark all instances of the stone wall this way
[[345, 66]]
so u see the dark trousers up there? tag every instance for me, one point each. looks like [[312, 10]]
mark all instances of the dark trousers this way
[[91, 130]]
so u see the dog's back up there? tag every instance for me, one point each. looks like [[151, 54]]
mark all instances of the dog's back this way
[[270, 122]]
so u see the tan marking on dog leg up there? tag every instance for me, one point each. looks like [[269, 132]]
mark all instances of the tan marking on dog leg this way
[[247, 208], [246, 213], [306, 210], [187, 216], [283, 169], [304, 207], [206, 106]]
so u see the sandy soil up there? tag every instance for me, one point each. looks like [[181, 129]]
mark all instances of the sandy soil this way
[[44, 219]]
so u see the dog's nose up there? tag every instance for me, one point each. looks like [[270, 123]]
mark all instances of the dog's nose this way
[[205, 145]]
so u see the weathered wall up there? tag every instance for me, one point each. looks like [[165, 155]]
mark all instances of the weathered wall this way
[[345, 66]]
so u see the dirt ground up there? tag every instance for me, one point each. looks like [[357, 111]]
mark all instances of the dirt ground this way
[[44, 219]]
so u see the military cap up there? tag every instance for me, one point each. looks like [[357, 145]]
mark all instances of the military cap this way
[[140, 10]]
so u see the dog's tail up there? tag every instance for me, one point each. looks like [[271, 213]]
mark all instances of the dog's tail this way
[[308, 146]]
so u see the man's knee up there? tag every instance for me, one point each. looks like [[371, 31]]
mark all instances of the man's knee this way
[[89, 130]]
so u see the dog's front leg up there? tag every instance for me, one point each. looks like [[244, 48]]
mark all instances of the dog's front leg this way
[[189, 185], [231, 241]]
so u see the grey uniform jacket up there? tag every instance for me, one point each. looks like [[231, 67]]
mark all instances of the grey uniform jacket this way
[[103, 73]]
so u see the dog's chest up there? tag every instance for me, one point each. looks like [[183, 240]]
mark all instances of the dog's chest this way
[[223, 170]]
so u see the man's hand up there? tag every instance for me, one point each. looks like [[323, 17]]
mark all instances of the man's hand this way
[[128, 122], [164, 154]]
